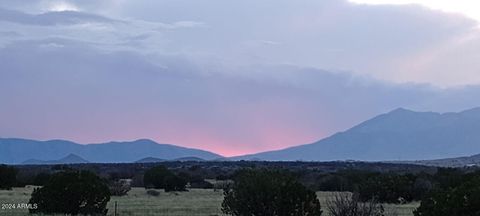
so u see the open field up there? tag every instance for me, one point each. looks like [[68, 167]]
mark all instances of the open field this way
[[201, 202]]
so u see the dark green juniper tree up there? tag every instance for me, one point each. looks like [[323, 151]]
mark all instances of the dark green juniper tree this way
[[269, 193], [7, 177], [463, 200], [72, 192], [160, 177]]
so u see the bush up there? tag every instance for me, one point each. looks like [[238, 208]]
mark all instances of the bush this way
[[8, 177], [195, 181], [174, 183], [119, 187], [265, 192], [71, 192], [463, 200], [350, 205], [388, 188], [333, 183], [201, 184], [137, 180], [155, 177], [41, 179], [160, 177], [153, 193]]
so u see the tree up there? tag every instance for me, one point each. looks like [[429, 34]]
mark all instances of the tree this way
[[463, 200], [345, 204], [155, 177], [7, 177], [266, 193], [389, 188], [72, 192], [41, 179], [119, 187], [160, 177], [174, 183]]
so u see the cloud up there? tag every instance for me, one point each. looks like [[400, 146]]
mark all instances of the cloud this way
[[184, 24], [392, 43], [256, 75], [9, 34], [50, 18], [337, 35], [62, 6], [74, 90]]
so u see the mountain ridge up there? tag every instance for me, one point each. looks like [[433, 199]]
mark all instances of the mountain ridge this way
[[16, 150], [400, 134], [69, 159]]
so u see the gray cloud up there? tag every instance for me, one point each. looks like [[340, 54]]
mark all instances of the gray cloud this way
[[74, 90], [51, 18], [10, 34], [244, 73], [379, 41]]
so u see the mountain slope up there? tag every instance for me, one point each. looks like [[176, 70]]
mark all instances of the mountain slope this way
[[398, 135], [69, 159], [14, 151], [149, 160], [473, 160]]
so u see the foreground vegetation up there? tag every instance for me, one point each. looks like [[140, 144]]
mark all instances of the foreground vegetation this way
[[195, 202], [240, 188]]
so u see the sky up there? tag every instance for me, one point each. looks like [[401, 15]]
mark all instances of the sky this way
[[232, 77]]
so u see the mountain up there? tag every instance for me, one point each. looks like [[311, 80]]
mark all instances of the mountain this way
[[150, 160], [69, 159], [398, 135], [447, 162], [156, 160], [189, 159], [15, 151]]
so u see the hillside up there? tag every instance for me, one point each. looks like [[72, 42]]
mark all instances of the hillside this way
[[398, 135], [466, 161], [149, 160], [15, 151], [69, 159]]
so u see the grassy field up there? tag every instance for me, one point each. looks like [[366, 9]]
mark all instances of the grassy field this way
[[201, 202]]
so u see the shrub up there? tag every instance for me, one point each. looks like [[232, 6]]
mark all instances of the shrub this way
[[463, 200], [160, 177], [265, 192], [71, 192], [389, 188], [41, 179], [155, 177], [153, 193], [201, 184], [347, 204], [8, 177], [174, 183], [119, 187], [333, 183]]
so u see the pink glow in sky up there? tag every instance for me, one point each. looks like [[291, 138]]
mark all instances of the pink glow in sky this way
[[202, 74]]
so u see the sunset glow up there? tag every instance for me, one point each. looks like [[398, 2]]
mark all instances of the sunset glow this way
[[470, 8], [207, 76]]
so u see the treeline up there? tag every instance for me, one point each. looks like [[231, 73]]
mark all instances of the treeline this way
[[8, 177], [391, 187], [443, 192]]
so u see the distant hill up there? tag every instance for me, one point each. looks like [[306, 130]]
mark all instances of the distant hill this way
[[156, 160], [16, 151], [447, 162], [69, 159], [398, 135], [189, 159], [150, 160]]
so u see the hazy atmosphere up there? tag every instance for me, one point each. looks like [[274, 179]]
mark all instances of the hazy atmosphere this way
[[231, 77]]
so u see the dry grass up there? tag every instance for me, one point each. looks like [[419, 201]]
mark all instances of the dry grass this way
[[196, 202]]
